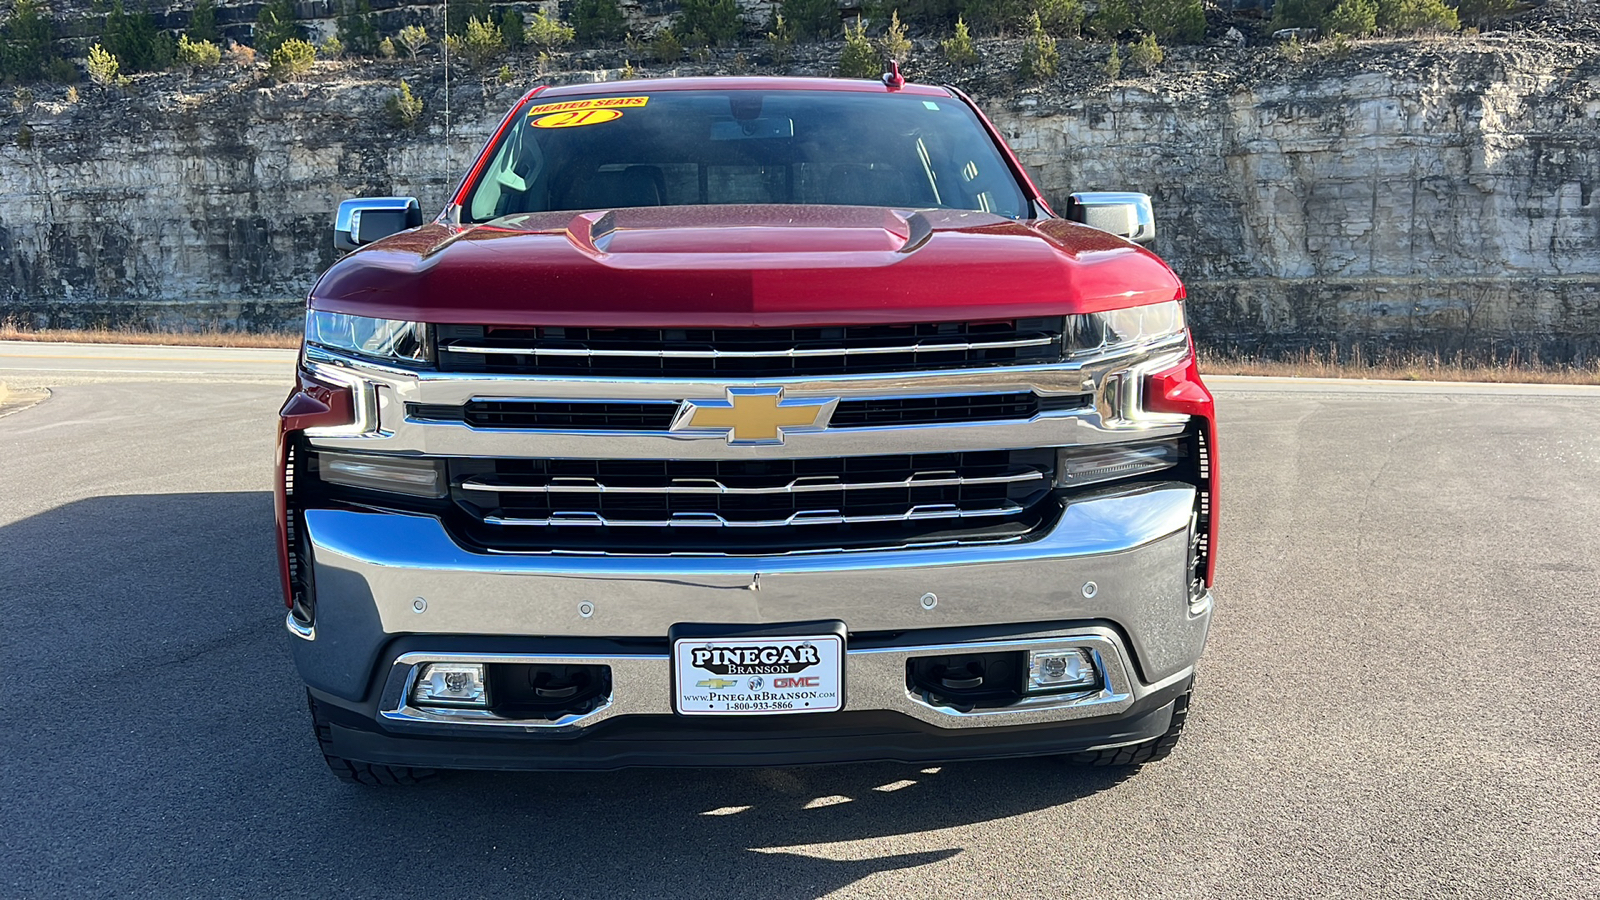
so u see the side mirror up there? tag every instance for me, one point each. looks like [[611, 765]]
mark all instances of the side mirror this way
[[366, 219], [1119, 212]]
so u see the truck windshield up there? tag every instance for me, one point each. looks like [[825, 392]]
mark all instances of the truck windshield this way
[[673, 148]]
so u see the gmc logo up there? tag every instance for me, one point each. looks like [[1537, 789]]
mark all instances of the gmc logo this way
[[794, 682]]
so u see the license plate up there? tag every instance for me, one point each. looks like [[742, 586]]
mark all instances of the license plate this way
[[758, 676]]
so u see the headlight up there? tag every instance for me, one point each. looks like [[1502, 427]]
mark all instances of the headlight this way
[[387, 339], [1089, 333]]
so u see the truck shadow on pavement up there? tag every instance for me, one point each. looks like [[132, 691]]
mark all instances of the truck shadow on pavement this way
[[161, 747]]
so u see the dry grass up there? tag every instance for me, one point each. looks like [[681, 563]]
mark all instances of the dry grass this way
[[270, 339], [1406, 367]]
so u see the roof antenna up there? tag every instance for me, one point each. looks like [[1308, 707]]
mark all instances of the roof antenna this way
[[892, 79]]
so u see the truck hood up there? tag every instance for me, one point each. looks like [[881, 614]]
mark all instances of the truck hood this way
[[736, 266]]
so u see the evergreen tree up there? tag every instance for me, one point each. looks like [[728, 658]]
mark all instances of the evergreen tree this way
[[513, 28], [27, 51], [356, 29], [598, 20], [1300, 13], [1112, 19], [274, 25], [132, 37], [1061, 18], [812, 18], [1352, 17], [203, 23], [462, 12], [1412, 16], [710, 21]]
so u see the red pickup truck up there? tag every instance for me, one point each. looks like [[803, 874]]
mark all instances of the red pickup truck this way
[[745, 421]]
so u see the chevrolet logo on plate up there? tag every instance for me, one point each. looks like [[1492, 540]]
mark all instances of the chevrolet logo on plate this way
[[754, 415], [717, 684]]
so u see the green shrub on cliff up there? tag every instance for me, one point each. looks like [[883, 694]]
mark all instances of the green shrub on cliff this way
[[1061, 18], [859, 59], [594, 21], [780, 40], [812, 18], [958, 48], [1413, 16], [1173, 20], [1352, 17], [275, 24], [479, 45], [198, 54], [413, 38], [1039, 53], [1300, 13], [895, 44], [293, 58], [403, 107], [716, 22], [1146, 54], [103, 67], [996, 16], [547, 32], [665, 47], [1112, 19]]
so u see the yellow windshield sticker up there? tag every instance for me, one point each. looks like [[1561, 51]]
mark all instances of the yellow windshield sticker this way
[[577, 117], [594, 103]]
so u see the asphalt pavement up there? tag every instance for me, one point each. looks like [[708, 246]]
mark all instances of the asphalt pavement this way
[[1398, 699]]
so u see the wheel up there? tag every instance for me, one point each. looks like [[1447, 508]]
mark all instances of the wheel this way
[[1144, 751], [357, 772]]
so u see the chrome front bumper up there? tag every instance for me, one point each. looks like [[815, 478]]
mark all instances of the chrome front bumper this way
[[1115, 562], [875, 678]]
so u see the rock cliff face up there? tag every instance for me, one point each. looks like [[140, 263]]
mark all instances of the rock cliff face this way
[[1429, 194]]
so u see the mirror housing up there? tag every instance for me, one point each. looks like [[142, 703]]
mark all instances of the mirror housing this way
[[366, 219], [1122, 213]]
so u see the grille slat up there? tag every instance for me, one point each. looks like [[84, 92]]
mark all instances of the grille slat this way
[[712, 486], [809, 517], [777, 505], [747, 352]]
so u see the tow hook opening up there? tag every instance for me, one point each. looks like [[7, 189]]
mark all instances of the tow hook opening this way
[[969, 681], [547, 691]]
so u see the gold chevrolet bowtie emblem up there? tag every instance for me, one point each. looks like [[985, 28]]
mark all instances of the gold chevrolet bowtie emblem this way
[[754, 415]]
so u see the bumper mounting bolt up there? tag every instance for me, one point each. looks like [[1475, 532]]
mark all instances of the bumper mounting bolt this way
[[586, 609], [419, 605], [1090, 589], [929, 601]]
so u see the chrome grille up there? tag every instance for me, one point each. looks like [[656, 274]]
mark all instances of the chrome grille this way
[[747, 352], [606, 415], [776, 505]]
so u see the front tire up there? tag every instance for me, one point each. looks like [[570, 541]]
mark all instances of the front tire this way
[[1134, 755], [355, 771]]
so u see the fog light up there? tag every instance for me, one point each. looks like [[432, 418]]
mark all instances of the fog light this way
[[1080, 466], [1061, 670], [418, 477], [451, 684]]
